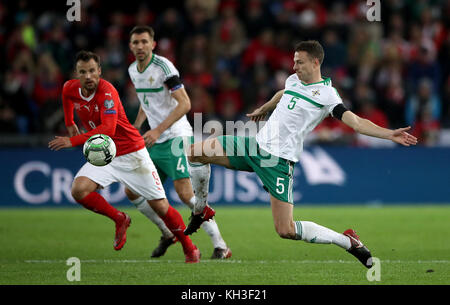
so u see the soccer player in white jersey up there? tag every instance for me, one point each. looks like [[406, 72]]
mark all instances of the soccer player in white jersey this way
[[164, 103], [305, 101]]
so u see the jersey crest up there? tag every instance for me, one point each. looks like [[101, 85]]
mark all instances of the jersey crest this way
[[108, 104]]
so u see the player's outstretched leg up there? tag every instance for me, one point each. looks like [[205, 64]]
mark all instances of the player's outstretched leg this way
[[167, 238], [83, 191], [311, 232], [314, 233]]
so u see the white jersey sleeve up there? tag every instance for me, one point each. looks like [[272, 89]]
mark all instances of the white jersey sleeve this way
[[333, 100]]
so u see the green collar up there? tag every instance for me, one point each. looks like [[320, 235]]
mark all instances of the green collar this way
[[326, 81]]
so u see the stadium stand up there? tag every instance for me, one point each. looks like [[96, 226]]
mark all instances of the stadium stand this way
[[232, 56]]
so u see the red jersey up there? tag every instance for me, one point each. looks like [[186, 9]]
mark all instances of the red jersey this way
[[102, 112]]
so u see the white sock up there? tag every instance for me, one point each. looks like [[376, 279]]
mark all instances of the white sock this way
[[142, 205], [192, 202], [314, 233], [210, 228], [200, 174]]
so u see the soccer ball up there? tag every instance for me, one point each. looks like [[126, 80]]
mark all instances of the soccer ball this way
[[99, 149]]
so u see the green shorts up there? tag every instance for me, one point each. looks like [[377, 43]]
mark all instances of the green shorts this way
[[170, 158], [275, 173]]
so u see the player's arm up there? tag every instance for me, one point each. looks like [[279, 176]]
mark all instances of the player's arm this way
[[366, 127], [261, 112], [108, 117], [64, 142], [72, 128], [107, 127], [140, 118], [183, 107]]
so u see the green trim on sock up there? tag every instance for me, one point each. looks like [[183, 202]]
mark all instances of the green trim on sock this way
[[136, 204], [298, 233], [196, 164]]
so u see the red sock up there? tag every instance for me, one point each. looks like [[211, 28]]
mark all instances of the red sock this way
[[96, 203], [175, 223]]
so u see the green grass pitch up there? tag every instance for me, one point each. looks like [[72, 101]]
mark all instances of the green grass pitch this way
[[412, 243]]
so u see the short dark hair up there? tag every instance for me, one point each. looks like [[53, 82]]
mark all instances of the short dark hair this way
[[87, 56], [139, 29], [312, 47]]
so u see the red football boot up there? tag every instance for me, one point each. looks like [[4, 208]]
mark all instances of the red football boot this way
[[121, 232], [193, 256]]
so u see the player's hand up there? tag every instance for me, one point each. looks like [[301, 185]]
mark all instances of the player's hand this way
[[151, 136], [400, 136], [73, 130], [257, 115], [59, 143]]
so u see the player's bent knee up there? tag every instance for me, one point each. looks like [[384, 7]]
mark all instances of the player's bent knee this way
[[79, 193], [285, 232], [286, 235], [81, 187]]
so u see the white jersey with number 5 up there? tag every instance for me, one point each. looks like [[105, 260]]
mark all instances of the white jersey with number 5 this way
[[301, 108], [155, 97]]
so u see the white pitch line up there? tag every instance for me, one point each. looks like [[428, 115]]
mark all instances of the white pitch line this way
[[134, 261]]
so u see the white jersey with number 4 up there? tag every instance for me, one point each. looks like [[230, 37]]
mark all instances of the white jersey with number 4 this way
[[155, 97], [301, 108]]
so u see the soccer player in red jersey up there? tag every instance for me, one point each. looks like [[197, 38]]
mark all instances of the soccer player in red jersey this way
[[98, 106]]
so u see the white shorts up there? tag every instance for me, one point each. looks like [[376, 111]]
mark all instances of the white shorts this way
[[135, 170]]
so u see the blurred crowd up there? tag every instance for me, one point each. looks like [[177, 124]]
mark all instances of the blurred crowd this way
[[234, 55]]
